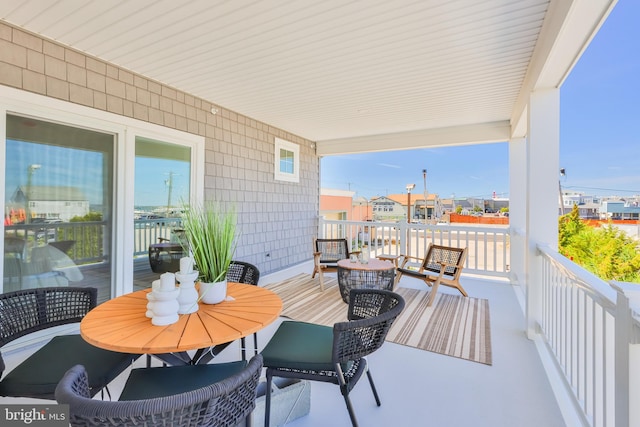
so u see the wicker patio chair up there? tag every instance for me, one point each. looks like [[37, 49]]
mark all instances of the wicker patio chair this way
[[32, 310], [333, 354], [224, 403], [327, 253], [441, 266], [360, 278], [244, 272]]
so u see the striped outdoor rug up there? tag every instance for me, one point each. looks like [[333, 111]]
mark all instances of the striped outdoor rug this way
[[453, 326]]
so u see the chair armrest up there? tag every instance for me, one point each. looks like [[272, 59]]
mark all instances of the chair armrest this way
[[407, 258]]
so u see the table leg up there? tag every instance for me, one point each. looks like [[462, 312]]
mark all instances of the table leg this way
[[211, 353], [174, 359], [201, 356]]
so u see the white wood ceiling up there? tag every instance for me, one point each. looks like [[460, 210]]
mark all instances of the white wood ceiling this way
[[324, 70]]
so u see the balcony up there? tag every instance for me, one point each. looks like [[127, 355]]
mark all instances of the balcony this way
[[565, 372], [548, 316]]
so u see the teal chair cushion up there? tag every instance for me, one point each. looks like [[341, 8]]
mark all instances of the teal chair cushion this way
[[149, 383], [300, 345], [40, 373]]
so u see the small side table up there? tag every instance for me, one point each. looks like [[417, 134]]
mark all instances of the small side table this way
[[393, 258], [376, 274]]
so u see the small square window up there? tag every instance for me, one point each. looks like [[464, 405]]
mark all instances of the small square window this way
[[287, 161]]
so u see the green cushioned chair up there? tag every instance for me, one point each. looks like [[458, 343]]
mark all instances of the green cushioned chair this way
[[30, 310], [148, 383], [333, 354], [226, 402]]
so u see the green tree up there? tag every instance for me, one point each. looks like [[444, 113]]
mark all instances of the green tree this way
[[458, 209], [91, 216], [569, 226], [88, 238], [607, 252]]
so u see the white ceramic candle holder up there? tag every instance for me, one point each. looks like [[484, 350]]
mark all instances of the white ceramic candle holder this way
[[188, 297], [165, 307]]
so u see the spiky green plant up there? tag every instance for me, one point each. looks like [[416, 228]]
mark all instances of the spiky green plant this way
[[210, 231]]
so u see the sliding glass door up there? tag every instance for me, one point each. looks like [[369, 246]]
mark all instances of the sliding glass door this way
[[162, 187], [58, 205]]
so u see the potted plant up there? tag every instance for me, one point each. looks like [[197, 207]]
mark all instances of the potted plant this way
[[210, 238]]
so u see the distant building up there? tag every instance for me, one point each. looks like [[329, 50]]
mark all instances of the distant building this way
[[386, 208], [53, 203], [619, 209], [393, 207], [588, 206], [495, 204], [336, 204]]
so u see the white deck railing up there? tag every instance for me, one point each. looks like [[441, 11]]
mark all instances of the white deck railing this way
[[487, 247], [89, 237], [592, 335], [586, 325]]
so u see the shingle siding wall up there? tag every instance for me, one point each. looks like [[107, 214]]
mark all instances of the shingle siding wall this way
[[275, 218]]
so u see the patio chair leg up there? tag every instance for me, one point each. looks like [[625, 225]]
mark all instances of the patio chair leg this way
[[397, 279], [433, 292], [267, 400], [352, 414], [242, 348], [373, 387]]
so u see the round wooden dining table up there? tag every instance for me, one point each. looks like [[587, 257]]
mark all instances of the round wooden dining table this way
[[120, 324]]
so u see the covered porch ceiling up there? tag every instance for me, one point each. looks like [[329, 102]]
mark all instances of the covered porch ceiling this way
[[354, 76]]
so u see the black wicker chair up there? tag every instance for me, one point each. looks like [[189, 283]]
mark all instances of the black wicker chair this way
[[224, 403], [243, 272], [349, 278], [335, 355], [31, 310]]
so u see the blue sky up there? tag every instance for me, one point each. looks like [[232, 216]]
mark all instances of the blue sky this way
[[151, 184], [54, 168], [599, 142]]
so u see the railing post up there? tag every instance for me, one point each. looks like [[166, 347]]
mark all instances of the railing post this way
[[627, 350], [321, 226], [403, 228]]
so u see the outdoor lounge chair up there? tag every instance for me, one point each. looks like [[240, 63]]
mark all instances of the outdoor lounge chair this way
[[441, 266], [166, 397], [333, 354], [32, 310], [327, 253]]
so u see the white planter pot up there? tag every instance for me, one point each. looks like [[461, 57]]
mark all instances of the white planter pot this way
[[213, 293]]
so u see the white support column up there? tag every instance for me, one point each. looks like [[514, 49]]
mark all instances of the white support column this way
[[518, 213], [542, 172]]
